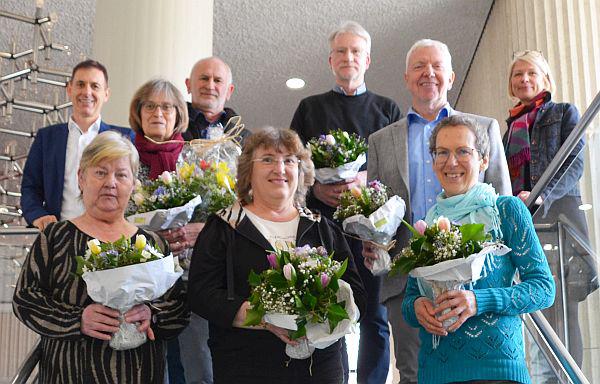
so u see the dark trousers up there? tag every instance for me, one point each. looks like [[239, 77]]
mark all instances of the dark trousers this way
[[374, 345]]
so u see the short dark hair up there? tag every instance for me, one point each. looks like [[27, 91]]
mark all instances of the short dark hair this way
[[90, 64], [482, 140]]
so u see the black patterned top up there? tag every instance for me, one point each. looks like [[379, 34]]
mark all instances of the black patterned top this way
[[50, 299]]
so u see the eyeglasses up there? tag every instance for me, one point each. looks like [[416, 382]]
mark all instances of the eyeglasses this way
[[150, 106], [270, 161], [462, 155], [527, 52]]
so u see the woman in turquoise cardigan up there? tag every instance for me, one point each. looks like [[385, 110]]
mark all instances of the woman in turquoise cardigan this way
[[485, 344]]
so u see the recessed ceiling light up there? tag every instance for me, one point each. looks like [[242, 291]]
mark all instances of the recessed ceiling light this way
[[585, 207], [548, 247], [295, 83]]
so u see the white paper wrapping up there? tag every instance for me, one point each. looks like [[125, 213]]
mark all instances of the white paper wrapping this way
[[161, 219], [341, 173], [380, 228], [462, 270], [318, 335], [122, 288]]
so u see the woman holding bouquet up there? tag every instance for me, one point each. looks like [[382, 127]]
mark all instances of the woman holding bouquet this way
[[537, 128], [274, 174], [52, 301], [485, 344]]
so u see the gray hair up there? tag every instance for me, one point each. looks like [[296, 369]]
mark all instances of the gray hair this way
[[482, 140], [429, 43], [353, 28]]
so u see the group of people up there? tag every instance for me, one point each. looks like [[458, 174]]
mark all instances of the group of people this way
[[78, 180]]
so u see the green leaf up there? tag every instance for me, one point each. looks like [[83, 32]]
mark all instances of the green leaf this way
[[472, 232], [254, 316], [310, 301], [253, 279], [301, 332], [340, 272], [412, 229], [335, 314]]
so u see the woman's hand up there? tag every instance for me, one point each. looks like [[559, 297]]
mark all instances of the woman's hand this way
[[462, 304], [143, 314], [99, 321], [180, 239], [524, 195], [369, 255], [425, 313], [281, 333]]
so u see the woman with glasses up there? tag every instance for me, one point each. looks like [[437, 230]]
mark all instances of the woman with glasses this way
[[537, 128], [485, 344], [274, 174]]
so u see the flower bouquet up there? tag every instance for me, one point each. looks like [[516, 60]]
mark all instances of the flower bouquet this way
[[222, 145], [120, 275], [445, 256], [337, 156], [370, 214], [171, 199], [303, 292]]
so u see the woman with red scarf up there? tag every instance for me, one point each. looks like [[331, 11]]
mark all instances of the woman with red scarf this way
[[537, 128]]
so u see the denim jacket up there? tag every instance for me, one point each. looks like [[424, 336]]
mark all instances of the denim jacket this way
[[553, 124]]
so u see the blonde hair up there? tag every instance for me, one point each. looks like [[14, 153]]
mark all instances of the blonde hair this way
[[109, 145], [537, 59], [158, 87], [273, 138]]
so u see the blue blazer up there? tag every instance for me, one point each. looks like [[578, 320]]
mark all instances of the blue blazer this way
[[44, 173]]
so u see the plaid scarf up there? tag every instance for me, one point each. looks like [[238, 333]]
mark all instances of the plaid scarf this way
[[518, 152]]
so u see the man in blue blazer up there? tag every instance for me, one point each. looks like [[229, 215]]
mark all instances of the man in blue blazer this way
[[49, 189]]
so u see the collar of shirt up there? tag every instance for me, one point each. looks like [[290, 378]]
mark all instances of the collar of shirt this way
[[413, 116], [359, 91], [195, 114], [95, 127]]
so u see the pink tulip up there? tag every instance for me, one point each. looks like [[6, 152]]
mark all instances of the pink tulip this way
[[421, 226], [289, 272], [443, 224], [272, 260], [325, 279]]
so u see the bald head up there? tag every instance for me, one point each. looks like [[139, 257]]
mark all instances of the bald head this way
[[210, 84]]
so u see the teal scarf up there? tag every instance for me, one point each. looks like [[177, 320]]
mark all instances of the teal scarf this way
[[478, 205]]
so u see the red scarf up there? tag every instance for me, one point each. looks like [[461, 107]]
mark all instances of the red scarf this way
[[159, 157]]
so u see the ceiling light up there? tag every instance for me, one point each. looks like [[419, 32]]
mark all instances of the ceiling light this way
[[295, 83], [585, 207], [547, 247]]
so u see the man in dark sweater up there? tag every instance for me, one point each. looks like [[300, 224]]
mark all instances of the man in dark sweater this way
[[351, 107]]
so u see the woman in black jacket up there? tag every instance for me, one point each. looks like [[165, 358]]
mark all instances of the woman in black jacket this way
[[274, 174], [537, 128]]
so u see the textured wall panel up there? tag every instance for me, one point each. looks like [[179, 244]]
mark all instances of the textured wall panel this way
[[267, 42]]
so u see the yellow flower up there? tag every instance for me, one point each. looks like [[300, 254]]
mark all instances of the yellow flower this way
[[186, 171], [223, 175], [140, 242], [94, 246]]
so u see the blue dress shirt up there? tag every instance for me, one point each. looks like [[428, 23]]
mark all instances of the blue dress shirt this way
[[424, 185]]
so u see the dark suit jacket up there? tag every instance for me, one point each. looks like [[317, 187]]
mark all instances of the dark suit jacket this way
[[44, 173]]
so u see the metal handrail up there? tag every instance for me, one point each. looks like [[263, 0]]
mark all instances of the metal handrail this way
[[564, 151], [28, 365]]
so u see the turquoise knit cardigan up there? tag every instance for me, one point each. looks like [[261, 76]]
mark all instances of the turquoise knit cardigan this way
[[489, 345]]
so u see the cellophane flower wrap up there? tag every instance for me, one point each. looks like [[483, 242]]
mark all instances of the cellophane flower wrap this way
[[446, 256], [220, 146], [337, 156], [370, 214], [173, 198], [302, 291], [121, 275]]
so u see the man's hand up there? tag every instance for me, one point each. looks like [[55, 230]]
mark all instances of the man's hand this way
[[43, 221], [369, 254], [330, 193], [180, 239]]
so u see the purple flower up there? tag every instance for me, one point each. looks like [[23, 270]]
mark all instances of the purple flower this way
[[325, 279], [322, 251], [272, 260]]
